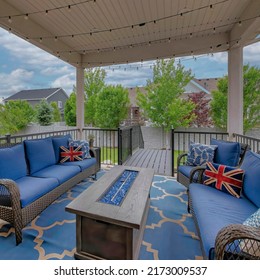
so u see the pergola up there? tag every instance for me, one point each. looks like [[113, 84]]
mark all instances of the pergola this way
[[104, 32]]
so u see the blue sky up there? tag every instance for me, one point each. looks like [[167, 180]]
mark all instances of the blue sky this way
[[24, 66]]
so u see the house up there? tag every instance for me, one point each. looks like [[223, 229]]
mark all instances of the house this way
[[34, 96], [194, 86]]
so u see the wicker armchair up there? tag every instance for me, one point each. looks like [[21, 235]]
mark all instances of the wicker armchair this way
[[182, 158]]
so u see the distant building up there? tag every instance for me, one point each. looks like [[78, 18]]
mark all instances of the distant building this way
[[194, 86], [34, 97]]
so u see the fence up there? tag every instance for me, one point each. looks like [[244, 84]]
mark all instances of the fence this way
[[253, 143]]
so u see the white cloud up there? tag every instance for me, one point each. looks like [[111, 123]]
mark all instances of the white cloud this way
[[15, 81], [50, 71], [252, 54], [66, 82]]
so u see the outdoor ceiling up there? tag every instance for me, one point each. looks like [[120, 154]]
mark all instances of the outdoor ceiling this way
[[103, 32]]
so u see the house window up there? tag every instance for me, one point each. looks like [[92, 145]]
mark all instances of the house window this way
[[59, 104]]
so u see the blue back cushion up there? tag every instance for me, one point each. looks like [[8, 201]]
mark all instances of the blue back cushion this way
[[227, 153], [251, 187], [58, 142], [40, 154], [12, 163]]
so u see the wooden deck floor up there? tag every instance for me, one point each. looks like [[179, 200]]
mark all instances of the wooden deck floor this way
[[159, 160]]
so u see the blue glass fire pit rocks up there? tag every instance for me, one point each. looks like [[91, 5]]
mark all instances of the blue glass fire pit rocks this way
[[118, 190]]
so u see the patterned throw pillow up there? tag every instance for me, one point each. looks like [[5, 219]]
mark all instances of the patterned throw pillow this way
[[248, 246], [71, 154], [199, 154], [224, 178], [84, 144]]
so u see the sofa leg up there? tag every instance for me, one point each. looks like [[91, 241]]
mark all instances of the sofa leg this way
[[18, 236], [95, 177]]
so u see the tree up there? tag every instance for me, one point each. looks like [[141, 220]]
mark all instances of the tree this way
[[93, 84], [56, 112], [70, 115], [113, 104], [201, 110], [44, 113], [162, 102], [251, 99], [15, 115]]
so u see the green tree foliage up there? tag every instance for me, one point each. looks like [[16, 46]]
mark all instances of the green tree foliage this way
[[251, 98], [162, 102], [70, 110], [44, 113], [56, 112], [14, 116], [113, 104], [93, 84]]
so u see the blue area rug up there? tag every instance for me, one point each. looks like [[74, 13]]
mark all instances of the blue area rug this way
[[170, 232]]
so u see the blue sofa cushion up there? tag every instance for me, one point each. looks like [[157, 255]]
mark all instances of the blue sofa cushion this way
[[12, 162], [199, 154], [68, 154], [84, 144], [58, 171], [185, 169], [84, 164], [32, 188], [224, 178], [58, 142], [251, 166], [214, 210], [227, 153], [40, 154]]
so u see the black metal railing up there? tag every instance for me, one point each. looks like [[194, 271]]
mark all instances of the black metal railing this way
[[254, 143], [107, 140], [15, 139], [117, 145], [180, 141]]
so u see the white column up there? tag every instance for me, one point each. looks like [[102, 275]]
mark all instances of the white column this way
[[80, 99], [235, 91]]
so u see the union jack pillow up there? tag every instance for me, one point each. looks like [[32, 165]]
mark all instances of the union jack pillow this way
[[224, 178], [71, 154]]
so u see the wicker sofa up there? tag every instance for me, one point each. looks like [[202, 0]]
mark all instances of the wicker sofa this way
[[221, 218], [31, 178]]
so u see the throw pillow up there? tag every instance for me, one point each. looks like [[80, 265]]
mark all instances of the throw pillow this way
[[71, 154], [199, 154], [224, 178], [246, 245], [84, 144]]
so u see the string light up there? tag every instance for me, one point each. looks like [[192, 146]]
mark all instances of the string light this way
[[26, 16], [10, 19]]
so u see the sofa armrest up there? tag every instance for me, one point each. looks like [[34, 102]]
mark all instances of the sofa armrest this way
[[96, 152], [238, 241], [196, 174], [10, 199], [181, 158]]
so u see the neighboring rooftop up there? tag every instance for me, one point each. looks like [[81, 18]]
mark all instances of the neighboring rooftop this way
[[209, 84], [34, 94]]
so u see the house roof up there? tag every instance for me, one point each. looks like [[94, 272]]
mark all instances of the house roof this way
[[209, 84], [33, 94], [93, 33]]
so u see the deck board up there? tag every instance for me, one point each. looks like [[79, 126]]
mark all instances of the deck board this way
[[159, 160]]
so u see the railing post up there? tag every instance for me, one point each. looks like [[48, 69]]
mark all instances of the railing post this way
[[131, 141], [120, 160], [172, 150], [8, 138]]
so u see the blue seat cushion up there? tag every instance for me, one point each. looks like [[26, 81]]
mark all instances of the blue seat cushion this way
[[58, 142], [227, 153], [251, 186], [12, 162], [186, 170], [32, 188], [58, 171], [40, 154], [84, 164], [214, 210]]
